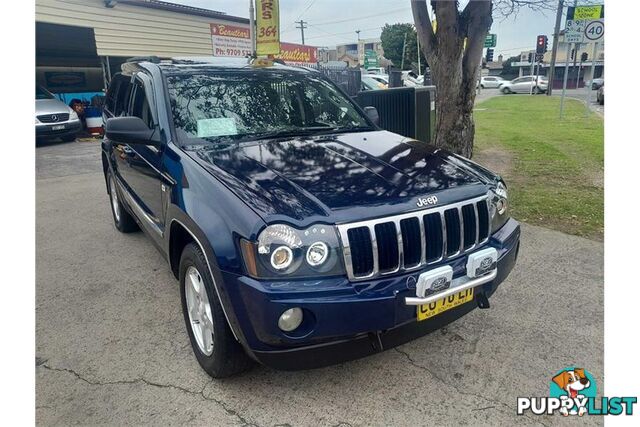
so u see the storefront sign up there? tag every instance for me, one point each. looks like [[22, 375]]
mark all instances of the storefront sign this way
[[298, 54], [268, 27], [230, 40]]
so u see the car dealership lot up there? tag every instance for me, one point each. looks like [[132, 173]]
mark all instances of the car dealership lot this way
[[112, 346]]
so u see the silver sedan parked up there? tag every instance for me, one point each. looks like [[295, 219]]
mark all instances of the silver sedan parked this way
[[54, 119], [525, 84]]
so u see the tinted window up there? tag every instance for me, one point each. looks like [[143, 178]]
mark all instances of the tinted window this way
[[140, 105], [232, 105], [122, 96]]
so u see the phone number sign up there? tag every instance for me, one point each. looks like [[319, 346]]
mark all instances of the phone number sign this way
[[230, 40]]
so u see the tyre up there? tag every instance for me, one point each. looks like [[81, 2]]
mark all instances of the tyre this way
[[538, 90], [482, 86], [213, 343], [122, 219], [506, 91]]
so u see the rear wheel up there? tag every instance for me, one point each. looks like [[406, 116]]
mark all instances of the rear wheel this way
[[122, 219], [213, 343], [538, 90]]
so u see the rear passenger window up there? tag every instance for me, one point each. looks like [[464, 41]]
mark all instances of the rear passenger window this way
[[140, 107], [110, 102]]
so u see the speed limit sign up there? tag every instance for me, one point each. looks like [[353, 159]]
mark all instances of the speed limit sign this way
[[594, 30]]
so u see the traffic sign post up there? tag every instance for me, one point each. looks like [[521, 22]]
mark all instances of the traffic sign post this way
[[593, 32]]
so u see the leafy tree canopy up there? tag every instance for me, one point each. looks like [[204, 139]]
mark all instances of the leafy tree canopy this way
[[392, 38]]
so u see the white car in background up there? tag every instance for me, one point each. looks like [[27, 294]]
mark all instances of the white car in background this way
[[384, 79], [491, 82], [525, 84]]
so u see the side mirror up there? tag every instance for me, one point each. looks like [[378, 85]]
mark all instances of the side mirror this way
[[130, 130], [372, 113]]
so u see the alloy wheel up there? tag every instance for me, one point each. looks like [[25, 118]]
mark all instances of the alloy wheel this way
[[199, 310]]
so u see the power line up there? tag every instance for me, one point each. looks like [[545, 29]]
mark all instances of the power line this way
[[404, 9]]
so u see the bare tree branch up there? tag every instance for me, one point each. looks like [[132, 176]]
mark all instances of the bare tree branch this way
[[425, 31]]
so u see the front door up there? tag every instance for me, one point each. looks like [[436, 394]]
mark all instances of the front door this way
[[139, 168]]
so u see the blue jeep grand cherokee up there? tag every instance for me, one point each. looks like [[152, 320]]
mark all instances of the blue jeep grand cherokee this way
[[302, 234]]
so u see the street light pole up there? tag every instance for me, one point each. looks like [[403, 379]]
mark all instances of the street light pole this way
[[252, 27]]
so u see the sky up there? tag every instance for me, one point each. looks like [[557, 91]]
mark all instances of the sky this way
[[332, 22]]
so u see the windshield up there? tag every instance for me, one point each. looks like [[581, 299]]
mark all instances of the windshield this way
[[251, 104], [42, 93]]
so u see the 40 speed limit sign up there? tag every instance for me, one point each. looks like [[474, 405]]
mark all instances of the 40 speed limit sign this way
[[594, 31]]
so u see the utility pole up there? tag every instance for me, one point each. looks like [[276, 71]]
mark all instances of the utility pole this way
[[554, 50], [252, 28], [404, 49], [419, 65], [566, 68], [358, 33], [302, 27]]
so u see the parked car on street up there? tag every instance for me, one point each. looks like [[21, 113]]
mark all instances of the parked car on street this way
[[600, 96], [595, 84], [370, 83], [302, 235], [382, 79], [491, 82], [376, 70], [525, 84], [54, 119]]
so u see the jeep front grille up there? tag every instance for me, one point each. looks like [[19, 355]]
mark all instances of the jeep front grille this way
[[410, 241]]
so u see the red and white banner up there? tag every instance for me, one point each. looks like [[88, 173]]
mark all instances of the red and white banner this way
[[230, 40], [292, 53]]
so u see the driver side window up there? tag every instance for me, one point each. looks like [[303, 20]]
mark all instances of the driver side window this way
[[140, 105]]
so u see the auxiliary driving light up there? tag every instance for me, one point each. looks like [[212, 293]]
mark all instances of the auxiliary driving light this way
[[281, 258], [290, 319]]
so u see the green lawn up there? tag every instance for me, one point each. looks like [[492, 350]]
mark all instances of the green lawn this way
[[554, 169]]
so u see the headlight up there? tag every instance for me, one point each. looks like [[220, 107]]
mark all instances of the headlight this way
[[284, 251], [37, 121], [498, 206], [73, 115]]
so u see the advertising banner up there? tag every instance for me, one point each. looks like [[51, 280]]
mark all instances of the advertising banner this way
[[230, 40], [268, 27], [292, 53]]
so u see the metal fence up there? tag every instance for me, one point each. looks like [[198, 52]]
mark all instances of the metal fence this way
[[349, 79]]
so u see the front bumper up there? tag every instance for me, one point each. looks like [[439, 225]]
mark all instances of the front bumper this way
[[344, 320], [51, 131]]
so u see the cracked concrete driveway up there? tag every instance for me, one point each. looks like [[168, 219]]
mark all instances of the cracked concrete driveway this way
[[112, 346]]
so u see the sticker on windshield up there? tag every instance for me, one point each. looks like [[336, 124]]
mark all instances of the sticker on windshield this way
[[220, 126]]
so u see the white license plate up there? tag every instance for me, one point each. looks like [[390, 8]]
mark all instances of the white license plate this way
[[57, 127]]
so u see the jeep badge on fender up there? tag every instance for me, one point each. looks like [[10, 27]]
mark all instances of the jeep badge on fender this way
[[289, 217]]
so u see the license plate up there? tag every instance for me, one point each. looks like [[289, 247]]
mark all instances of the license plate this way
[[427, 311], [57, 127]]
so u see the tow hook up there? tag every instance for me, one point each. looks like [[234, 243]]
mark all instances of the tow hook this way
[[483, 301]]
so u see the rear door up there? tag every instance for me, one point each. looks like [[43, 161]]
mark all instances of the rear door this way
[[140, 166], [523, 84]]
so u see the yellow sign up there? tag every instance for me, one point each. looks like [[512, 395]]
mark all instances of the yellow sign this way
[[268, 27], [427, 311], [587, 13]]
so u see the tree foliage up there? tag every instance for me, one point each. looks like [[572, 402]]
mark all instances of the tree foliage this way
[[508, 70], [393, 37]]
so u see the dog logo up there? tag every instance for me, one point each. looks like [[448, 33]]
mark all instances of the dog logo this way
[[574, 384]]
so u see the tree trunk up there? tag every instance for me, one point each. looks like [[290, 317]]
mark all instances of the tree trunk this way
[[454, 65]]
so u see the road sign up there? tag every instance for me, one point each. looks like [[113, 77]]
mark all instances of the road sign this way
[[574, 31], [588, 13], [370, 59], [594, 31], [491, 40]]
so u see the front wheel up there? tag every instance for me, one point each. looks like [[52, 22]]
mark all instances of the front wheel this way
[[122, 219], [212, 341], [506, 91]]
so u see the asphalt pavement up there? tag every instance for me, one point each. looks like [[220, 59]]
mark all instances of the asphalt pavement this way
[[111, 344]]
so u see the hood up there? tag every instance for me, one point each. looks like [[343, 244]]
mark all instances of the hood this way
[[339, 178], [51, 106]]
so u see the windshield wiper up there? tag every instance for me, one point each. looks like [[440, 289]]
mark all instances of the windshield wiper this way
[[303, 131], [346, 129]]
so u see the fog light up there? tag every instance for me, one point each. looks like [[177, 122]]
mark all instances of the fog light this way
[[281, 258], [501, 206], [290, 319]]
